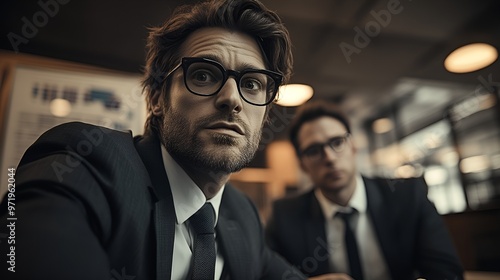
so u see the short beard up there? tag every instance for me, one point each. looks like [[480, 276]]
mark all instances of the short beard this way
[[179, 136]]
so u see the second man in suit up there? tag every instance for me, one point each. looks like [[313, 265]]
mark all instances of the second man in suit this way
[[375, 229]]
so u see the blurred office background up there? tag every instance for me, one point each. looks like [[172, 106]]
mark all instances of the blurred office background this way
[[381, 60]]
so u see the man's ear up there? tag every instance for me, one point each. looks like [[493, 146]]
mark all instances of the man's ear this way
[[157, 104], [354, 148]]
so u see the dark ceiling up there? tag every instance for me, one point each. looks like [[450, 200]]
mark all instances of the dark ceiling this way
[[412, 43]]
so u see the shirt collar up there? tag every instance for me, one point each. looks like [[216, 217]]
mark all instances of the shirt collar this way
[[357, 201], [187, 196]]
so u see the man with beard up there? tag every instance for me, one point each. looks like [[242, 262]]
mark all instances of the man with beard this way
[[94, 203], [372, 229]]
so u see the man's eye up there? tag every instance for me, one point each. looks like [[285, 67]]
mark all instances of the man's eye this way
[[203, 76], [252, 85], [314, 150], [336, 143]]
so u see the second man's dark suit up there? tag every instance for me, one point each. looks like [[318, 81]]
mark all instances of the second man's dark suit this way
[[411, 234], [93, 203]]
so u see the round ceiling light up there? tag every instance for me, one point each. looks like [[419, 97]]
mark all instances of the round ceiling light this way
[[294, 94], [382, 125], [470, 58]]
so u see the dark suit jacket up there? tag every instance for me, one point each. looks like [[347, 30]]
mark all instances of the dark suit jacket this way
[[93, 203], [410, 232]]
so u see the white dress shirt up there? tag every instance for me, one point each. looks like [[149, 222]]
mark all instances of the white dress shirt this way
[[372, 259], [188, 199]]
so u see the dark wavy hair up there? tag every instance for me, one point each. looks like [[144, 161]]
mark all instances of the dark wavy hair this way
[[247, 16], [311, 111]]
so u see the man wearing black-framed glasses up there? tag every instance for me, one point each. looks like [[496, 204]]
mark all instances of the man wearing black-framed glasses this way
[[354, 226], [206, 77], [316, 152], [158, 206]]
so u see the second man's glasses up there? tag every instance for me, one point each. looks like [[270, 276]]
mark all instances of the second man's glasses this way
[[316, 152]]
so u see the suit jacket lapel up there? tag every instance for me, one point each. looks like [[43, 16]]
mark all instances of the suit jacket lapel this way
[[383, 220], [315, 232], [148, 148]]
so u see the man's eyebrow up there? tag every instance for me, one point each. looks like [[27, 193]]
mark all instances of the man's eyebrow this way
[[211, 57], [314, 144], [336, 137], [323, 143], [245, 66]]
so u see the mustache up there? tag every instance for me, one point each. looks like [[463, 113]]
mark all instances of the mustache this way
[[231, 118]]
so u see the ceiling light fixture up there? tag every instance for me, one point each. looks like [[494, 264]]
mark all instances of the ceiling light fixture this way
[[470, 58], [382, 125], [294, 94], [475, 164]]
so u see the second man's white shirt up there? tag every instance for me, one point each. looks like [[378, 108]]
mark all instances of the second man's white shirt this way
[[371, 256]]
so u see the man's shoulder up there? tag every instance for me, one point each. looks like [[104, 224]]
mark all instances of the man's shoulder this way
[[81, 138], [75, 148], [400, 190], [75, 131], [394, 184]]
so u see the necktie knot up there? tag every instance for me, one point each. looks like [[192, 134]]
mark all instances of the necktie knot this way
[[348, 217], [203, 221]]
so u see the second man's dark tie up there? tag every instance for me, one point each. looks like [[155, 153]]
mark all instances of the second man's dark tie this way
[[203, 223], [351, 246]]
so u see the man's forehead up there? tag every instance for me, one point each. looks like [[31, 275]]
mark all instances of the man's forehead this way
[[224, 46], [320, 129]]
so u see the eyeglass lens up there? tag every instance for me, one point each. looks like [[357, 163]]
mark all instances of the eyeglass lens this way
[[205, 78], [316, 151]]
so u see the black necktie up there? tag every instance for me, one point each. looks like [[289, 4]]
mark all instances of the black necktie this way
[[203, 223], [351, 246]]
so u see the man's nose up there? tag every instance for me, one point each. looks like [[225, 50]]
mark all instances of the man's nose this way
[[329, 153], [228, 98]]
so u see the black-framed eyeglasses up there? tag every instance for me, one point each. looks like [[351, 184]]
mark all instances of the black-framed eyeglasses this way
[[206, 77], [317, 151]]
